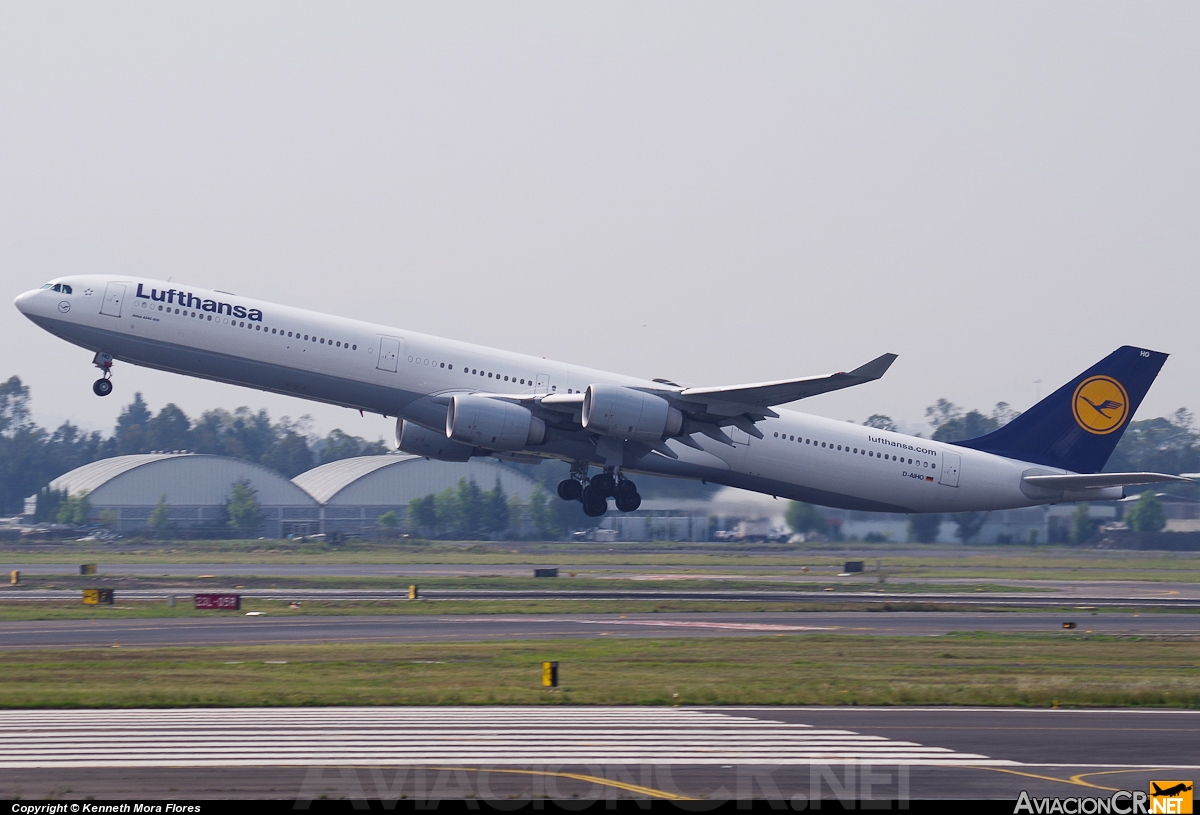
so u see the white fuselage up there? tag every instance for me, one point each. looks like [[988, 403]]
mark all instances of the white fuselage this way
[[404, 374]]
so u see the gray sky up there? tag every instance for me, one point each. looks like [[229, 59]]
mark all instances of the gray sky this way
[[714, 193]]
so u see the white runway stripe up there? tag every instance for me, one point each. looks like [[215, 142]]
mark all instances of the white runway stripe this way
[[235, 737]]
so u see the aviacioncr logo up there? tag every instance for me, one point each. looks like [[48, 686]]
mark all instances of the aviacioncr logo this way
[[1100, 404]]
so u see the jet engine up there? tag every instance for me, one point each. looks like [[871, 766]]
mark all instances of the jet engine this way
[[421, 441], [493, 424], [629, 414]]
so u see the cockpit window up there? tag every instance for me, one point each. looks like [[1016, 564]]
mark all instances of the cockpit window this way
[[48, 285], [66, 289], [62, 287]]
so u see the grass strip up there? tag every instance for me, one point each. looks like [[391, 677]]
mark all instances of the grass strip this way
[[1051, 562], [965, 669]]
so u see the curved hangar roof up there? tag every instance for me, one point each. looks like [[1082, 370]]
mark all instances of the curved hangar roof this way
[[187, 479], [393, 480]]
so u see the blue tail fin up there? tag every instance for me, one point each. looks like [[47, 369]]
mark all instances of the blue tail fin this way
[[1077, 426]]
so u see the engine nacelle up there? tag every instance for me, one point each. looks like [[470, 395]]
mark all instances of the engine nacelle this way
[[421, 441], [629, 414], [493, 424]]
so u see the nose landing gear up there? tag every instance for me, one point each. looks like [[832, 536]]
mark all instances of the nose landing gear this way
[[103, 386]]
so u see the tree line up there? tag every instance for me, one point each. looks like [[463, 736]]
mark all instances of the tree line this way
[[32, 456], [467, 512]]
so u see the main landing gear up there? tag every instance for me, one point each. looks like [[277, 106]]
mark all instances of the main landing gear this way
[[594, 493], [103, 386]]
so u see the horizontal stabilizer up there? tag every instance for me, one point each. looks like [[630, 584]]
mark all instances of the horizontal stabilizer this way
[[762, 394], [1072, 483]]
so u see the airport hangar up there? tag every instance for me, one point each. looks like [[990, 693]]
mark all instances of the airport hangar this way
[[346, 496]]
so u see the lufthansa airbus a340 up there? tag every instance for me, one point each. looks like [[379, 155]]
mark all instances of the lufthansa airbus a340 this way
[[453, 400]]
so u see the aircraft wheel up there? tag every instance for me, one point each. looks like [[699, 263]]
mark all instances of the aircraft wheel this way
[[102, 387], [569, 490], [626, 486], [604, 484], [595, 509], [628, 501]]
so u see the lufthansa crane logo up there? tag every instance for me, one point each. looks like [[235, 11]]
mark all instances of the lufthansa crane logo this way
[[1100, 404]]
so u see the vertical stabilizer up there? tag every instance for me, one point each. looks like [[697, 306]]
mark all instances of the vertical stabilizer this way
[[1077, 427]]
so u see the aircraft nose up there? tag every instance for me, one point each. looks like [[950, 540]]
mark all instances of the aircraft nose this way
[[25, 301]]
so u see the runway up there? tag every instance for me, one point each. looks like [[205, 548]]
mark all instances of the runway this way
[[261, 630], [1155, 599], [717, 753]]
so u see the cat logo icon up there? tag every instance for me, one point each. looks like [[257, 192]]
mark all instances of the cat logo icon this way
[[1100, 405]]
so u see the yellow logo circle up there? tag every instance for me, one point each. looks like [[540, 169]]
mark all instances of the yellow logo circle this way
[[1100, 404]]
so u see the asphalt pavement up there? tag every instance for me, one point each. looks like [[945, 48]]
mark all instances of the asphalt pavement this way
[[268, 629], [789, 755]]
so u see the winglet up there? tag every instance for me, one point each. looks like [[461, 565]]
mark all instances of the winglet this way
[[875, 369]]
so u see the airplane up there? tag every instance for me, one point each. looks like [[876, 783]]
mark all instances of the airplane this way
[[453, 400], [1169, 792]]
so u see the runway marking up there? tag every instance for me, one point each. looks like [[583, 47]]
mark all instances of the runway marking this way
[[415, 736], [1034, 775], [1078, 779], [637, 789], [663, 624]]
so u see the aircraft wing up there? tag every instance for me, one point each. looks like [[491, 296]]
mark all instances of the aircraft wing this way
[[708, 410], [1099, 480], [760, 395]]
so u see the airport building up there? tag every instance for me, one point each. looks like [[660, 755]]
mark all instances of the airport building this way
[[354, 492], [196, 488], [346, 496], [1035, 525], [657, 519]]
